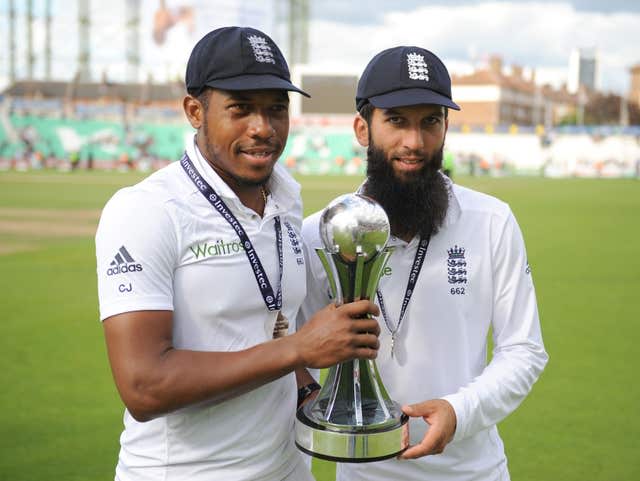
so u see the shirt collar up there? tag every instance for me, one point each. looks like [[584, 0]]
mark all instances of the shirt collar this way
[[454, 211], [281, 185]]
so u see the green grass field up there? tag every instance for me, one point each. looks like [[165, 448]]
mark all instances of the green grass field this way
[[60, 415]]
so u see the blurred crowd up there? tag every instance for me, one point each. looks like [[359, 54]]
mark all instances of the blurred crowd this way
[[31, 141]]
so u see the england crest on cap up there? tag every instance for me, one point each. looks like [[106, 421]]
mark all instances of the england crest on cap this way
[[261, 49], [418, 69]]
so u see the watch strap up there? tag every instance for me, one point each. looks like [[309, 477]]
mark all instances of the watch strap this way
[[305, 391]]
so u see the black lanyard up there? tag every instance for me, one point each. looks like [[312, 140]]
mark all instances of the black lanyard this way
[[418, 260], [273, 302]]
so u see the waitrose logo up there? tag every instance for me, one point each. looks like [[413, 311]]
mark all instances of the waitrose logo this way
[[217, 248]]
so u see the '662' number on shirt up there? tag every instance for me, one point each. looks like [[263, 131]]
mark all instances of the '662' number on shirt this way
[[457, 290]]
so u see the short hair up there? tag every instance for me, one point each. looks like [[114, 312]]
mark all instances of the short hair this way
[[366, 111], [202, 95]]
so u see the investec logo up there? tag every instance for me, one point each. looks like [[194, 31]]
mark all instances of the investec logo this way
[[122, 263], [219, 248]]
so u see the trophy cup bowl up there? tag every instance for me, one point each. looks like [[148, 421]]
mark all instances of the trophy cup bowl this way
[[352, 419]]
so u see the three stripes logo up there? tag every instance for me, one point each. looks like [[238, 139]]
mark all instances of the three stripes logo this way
[[122, 263]]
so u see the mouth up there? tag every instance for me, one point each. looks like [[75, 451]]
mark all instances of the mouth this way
[[409, 160], [408, 163], [259, 154]]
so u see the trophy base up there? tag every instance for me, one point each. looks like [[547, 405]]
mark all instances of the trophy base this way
[[349, 446]]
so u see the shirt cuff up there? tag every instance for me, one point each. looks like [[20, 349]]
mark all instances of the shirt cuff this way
[[154, 303], [458, 402]]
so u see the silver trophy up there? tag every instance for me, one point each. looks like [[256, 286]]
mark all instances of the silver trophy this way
[[352, 419]]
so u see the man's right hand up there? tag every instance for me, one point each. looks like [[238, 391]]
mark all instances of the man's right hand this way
[[336, 334]]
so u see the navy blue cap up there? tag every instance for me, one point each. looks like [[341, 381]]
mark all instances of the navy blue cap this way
[[238, 58], [402, 76]]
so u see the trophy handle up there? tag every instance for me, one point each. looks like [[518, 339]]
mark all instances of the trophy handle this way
[[332, 276], [379, 263], [356, 281]]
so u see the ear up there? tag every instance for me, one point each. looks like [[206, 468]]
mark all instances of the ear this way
[[194, 111], [361, 129]]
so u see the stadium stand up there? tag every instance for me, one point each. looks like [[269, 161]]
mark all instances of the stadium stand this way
[[67, 126]]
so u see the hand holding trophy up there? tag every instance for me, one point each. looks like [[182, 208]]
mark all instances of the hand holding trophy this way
[[352, 419]]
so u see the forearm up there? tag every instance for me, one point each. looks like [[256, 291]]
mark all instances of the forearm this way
[[303, 377], [180, 378], [153, 377], [499, 390]]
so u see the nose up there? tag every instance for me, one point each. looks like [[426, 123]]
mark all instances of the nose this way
[[260, 126], [412, 139]]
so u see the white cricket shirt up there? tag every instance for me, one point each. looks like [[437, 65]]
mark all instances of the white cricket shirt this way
[[475, 277], [161, 246]]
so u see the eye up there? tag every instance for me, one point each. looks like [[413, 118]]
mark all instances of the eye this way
[[280, 108], [395, 120], [240, 108], [433, 120]]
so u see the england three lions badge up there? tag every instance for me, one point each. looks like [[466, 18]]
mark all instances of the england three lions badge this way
[[457, 270]]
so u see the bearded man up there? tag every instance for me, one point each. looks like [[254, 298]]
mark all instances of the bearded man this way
[[474, 279]]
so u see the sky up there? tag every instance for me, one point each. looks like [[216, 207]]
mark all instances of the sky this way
[[344, 35]]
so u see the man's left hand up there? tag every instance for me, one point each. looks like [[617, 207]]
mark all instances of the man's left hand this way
[[441, 417]]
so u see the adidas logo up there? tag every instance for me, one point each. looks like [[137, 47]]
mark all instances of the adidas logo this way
[[122, 263]]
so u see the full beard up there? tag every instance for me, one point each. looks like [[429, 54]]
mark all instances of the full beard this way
[[416, 206]]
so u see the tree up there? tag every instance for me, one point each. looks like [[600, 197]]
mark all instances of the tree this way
[[605, 109]]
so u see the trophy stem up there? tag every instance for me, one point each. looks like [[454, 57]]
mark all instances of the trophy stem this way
[[357, 394], [381, 392], [334, 376], [358, 274]]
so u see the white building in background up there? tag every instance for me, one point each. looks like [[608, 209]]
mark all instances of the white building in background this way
[[584, 70]]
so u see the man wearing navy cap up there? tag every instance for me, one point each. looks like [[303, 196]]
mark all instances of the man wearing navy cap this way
[[458, 271], [199, 267]]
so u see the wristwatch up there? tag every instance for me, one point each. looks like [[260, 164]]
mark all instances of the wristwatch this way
[[305, 391]]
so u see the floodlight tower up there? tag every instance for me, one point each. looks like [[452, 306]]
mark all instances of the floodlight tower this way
[[84, 47], [12, 42], [30, 55], [298, 31], [47, 40], [132, 25]]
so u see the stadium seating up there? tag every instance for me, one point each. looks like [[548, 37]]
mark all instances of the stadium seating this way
[[326, 150]]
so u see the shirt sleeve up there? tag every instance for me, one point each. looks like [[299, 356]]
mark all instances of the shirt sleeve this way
[[519, 355], [136, 252]]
